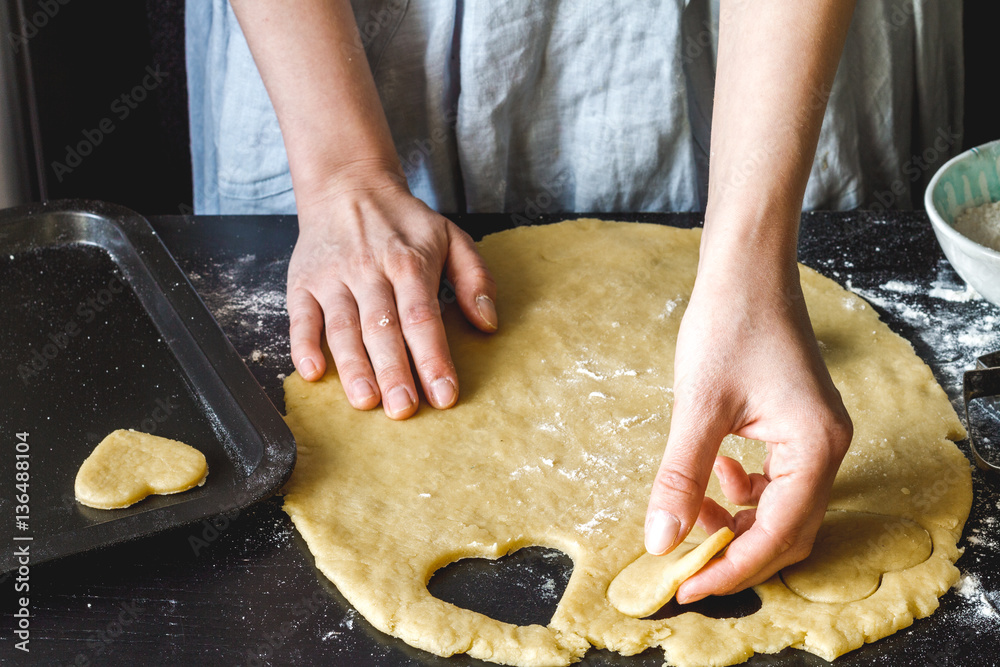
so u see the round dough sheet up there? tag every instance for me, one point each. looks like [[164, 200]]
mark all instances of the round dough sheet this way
[[560, 427]]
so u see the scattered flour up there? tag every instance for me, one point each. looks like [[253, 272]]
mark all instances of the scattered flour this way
[[599, 518], [981, 224], [584, 371], [548, 589], [971, 589], [247, 297], [957, 295], [950, 319], [669, 308], [524, 469], [571, 474], [899, 286]]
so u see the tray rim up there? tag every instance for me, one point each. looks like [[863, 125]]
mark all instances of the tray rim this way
[[279, 449]]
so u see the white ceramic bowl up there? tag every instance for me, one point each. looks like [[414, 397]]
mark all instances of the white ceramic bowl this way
[[969, 179]]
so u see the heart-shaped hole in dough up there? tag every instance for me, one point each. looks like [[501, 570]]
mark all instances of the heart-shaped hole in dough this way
[[522, 588], [735, 605], [127, 466], [852, 552]]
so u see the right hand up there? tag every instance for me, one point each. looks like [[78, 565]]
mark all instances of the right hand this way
[[747, 362], [366, 269]]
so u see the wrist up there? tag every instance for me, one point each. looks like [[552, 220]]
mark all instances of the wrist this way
[[749, 236], [353, 179], [753, 261]]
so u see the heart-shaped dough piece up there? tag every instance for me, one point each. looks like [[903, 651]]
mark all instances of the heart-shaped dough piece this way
[[648, 582], [851, 553], [127, 466]]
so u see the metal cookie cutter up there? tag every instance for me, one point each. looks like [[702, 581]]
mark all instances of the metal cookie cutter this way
[[982, 382]]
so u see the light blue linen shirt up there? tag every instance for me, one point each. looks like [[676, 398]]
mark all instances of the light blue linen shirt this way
[[534, 106]]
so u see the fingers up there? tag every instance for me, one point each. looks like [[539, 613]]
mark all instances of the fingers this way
[[475, 289], [739, 487], [420, 317], [679, 487], [779, 532], [713, 517], [750, 559], [305, 326], [383, 339], [343, 335], [375, 293]]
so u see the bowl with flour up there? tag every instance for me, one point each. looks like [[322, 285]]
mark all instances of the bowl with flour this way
[[963, 202]]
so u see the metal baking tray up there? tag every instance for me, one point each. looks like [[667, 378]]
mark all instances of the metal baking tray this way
[[101, 331]]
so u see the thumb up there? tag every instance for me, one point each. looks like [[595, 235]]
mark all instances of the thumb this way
[[679, 487], [475, 289]]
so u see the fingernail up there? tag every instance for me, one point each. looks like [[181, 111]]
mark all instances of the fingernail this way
[[487, 310], [661, 531], [688, 599], [443, 393], [717, 469], [361, 391], [307, 368], [398, 400]]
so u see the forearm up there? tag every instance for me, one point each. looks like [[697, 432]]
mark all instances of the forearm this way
[[776, 63], [310, 57]]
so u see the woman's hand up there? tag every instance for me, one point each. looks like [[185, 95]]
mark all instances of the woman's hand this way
[[369, 258], [366, 269], [747, 363]]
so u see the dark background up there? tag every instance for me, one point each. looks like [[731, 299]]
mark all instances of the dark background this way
[[91, 51]]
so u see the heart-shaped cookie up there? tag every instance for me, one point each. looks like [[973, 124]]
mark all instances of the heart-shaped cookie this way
[[649, 582], [127, 466], [852, 552]]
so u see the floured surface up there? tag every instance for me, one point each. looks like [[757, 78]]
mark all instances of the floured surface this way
[[555, 441]]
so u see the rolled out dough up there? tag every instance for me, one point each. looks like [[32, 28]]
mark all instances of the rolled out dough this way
[[127, 466], [555, 441]]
